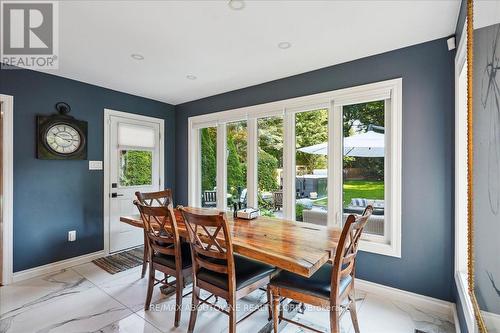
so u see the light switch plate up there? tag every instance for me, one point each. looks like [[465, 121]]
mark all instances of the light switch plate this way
[[72, 236], [95, 165]]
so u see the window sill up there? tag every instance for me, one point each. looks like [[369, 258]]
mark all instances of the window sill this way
[[385, 249]]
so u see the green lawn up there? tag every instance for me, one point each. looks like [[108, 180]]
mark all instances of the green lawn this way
[[358, 189]]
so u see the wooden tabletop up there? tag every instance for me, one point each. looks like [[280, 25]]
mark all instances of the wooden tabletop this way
[[297, 247]]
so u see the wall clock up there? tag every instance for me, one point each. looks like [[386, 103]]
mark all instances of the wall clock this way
[[60, 136]]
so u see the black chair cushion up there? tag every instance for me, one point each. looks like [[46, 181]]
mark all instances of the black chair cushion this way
[[319, 284], [169, 261], [247, 272]]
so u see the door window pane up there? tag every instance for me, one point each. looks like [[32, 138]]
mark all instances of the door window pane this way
[[208, 167], [136, 167], [364, 155], [311, 138], [236, 159], [270, 166]]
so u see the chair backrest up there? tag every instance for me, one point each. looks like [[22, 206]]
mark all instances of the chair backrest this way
[[278, 197], [344, 263], [160, 227], [160, 198], [211, 243], [210, 197]]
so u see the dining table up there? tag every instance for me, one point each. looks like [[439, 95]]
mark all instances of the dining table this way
[[294, 246]]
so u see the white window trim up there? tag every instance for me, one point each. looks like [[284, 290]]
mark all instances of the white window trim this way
[[460, 199], [333, 100], [8, 198]]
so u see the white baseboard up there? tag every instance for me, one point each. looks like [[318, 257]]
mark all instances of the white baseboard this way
[[56, 266], [455, 318], [492, 321], [426, 302]]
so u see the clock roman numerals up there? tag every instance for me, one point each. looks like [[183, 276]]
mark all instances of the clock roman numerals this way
[[63, 139]]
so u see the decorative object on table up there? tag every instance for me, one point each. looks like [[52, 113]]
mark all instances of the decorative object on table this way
[[122, 261], [60, 136], [248, 213]]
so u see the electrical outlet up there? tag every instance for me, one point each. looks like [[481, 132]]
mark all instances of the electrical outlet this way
[[72, 236]]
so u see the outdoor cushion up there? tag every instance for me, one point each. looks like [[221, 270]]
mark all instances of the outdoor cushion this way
[[247, 272], [359, 202], [169, 261], [319, 284]]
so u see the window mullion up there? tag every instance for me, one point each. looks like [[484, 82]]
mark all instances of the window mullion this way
[[335, 165], [221, 167], [289, 165], [252, 159], [194, 168]]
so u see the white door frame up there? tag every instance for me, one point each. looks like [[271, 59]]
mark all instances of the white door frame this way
[[8, 180], [107, 184]]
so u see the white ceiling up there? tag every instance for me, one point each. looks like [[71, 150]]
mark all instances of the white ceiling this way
[[228, 49]]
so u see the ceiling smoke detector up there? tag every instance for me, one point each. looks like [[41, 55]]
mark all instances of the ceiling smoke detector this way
[[137, 56], [236, 4], [284, 45]]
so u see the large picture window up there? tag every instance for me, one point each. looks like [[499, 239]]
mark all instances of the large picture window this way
[[311, 166], [236, 159], [270, 166], [363, 162], [208, 166], [314, 159]]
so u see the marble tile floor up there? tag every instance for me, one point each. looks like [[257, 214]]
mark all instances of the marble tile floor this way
[[86, 298]]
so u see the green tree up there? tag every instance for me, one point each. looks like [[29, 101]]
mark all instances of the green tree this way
[[268, 174], [311, 128], [136, 167], [357, 118], [208, 158], [236, 167], [271, 137]]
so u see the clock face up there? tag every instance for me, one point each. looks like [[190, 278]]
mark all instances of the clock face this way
[[63, 139]]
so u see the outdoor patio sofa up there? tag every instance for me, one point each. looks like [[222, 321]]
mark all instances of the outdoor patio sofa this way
[[375, 224]]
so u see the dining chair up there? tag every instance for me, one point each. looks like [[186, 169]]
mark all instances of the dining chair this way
[[167, 254], [278, 200], [216, 268], [209, 198], [330, 285], [160, 198]]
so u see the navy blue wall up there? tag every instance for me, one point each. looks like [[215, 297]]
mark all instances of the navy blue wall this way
[[53, 197], [426, 266]]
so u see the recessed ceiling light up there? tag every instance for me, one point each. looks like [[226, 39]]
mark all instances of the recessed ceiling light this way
[[191, 77], [284, 45], [236, 4], [137, 56]]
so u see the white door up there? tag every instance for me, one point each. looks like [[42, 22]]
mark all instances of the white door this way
[[134, 165]]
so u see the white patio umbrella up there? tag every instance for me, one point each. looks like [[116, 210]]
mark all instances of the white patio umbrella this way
[[368, 144]]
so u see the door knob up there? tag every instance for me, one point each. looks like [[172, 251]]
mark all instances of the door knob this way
[[115, 195]]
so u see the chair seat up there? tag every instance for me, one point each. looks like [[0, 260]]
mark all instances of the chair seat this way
[[247, 271], [169, 261], [319, 284]]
